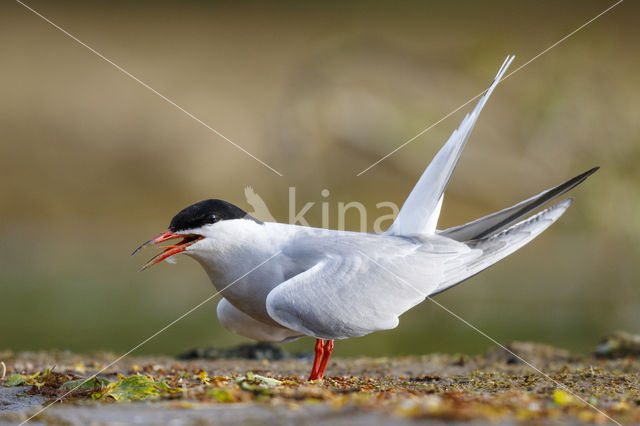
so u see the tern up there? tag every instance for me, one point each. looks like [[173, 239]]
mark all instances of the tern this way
[[289, 281]]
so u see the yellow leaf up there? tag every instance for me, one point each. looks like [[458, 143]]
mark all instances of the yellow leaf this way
[[562, 397], [204, 377], [622, 405]]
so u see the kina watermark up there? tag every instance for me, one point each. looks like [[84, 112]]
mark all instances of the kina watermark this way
[[383, 215]]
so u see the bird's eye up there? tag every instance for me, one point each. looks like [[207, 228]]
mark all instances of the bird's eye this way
[[213, 218]]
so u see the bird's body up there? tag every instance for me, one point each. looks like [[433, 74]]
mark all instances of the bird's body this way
[[335, 284], [281, 281], [338, 258]]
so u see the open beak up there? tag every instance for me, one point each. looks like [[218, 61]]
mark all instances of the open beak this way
[[168, 251]]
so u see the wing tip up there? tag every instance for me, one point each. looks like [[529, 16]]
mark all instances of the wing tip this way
[[572, 183], [591, 171], [503, 68]]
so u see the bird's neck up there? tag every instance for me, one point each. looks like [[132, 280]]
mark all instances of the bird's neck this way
[[236, 247]]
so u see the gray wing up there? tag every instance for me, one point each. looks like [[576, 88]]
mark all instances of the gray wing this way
[[359, 285], [362, 284]]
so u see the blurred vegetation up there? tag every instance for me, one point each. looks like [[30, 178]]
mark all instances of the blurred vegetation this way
[[93, 164]]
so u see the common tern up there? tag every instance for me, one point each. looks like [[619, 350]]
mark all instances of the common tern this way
[[330, 284]]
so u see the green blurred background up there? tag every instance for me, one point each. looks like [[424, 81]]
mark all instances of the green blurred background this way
[[93, 163]]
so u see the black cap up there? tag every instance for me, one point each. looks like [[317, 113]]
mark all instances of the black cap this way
[[206, 212]]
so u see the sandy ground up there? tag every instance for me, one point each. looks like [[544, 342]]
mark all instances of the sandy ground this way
[[495, 387]]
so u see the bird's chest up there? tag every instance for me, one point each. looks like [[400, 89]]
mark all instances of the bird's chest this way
[[245, 278]]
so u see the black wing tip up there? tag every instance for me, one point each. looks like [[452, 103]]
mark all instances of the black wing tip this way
[[539, 200], [588, 173], [591, 171], [572, 183]]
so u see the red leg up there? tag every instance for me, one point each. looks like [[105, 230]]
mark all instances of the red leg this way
[[317, 360], [328, 348]]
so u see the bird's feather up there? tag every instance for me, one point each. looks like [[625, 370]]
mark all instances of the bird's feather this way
[[419, 214], [328, 300], [498, 246], [242, 324], [332, 300], [498, 221]]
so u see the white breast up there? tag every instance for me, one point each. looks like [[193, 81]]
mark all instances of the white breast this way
[[232, 248]]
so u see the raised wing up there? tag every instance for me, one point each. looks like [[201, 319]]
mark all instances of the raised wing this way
[[419, 214]]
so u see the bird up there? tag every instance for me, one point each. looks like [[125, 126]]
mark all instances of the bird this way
[[280, 282]]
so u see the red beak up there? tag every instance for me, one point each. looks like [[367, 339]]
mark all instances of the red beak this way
[[169, 251]]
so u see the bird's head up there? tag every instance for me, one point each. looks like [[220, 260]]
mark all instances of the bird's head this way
[[195, 223]]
